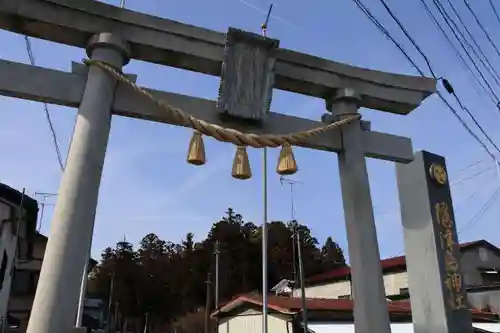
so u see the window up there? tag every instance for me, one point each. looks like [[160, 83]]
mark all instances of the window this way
[[490, 276], [344, 296], [404, 291]]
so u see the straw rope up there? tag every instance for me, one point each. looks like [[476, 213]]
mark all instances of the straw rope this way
[[218, 132]]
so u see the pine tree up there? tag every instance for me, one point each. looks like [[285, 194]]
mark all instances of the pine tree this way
[[332, 255]]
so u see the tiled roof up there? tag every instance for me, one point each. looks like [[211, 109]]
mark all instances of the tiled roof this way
[[388, 263], [293, 304]]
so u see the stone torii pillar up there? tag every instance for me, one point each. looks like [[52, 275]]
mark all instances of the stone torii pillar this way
[[368, 292], [56, 300]]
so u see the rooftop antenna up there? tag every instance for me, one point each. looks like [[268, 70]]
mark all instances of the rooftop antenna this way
[[44, 196]]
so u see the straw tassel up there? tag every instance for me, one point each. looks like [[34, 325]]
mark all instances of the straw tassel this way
[[241, 164], [286, 161], [196, 153]]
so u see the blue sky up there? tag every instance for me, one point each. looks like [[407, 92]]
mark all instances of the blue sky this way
[[148, 187]]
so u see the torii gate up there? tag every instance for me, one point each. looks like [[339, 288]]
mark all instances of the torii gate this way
[[112, 36]]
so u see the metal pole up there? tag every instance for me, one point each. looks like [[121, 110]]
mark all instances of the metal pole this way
[[216, 253], [264, 223], [302, 286], [110, 299], [83, 291], [41, 215], [207, 304], [264, 249]]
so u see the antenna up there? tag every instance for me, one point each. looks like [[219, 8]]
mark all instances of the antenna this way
[[292, 199], [44, 196]]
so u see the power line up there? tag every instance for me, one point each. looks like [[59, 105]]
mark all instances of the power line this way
[[482, 27], [472, 38], [476, 218], [446, 84], [463, 180], [367, 12], [45, 107], [463, 63], [450, 90], [454, 29], [494, 10], [471, 165]]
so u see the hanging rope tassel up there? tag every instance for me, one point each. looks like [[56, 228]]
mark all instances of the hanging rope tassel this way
[[286, 161], [196, 152], [241, 164]]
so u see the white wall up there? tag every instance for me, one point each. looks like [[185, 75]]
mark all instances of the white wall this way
[[250, 321], [7, 245], [327, 290], [392, 283], [395, 327]]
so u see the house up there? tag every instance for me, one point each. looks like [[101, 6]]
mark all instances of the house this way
[[17, 230], [480, 263], [25, 282], [244, 314]]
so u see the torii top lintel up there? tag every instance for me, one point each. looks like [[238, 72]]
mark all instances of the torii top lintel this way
[[184, 46]]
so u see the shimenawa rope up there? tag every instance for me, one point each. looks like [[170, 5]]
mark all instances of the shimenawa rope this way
[[218, 132]]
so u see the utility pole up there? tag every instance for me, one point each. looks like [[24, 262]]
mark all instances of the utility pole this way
[[302, 286], [217, 253], [110, 299], [207, 304], [291, 183]]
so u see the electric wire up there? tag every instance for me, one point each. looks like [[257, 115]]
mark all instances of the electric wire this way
[[454, 29], [446, 84], [482, 27], [494, 10], [472, 38], [367, 12], [471, 165], [463, 180], [463, 63], [31, 57], [476, 218]]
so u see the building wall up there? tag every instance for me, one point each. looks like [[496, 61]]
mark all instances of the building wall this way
[[328, 290], [470, 260], [7, 253], [250, 321], [478, 257], [393, 282], [482, 299]]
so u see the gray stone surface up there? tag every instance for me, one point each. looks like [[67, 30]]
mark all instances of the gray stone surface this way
[[431, 246], [180, 45], [62, 88], [247, 76], [370, 304], [56, 301]]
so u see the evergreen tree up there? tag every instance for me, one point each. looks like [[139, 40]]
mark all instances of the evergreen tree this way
[[165, 281], [332, 255]]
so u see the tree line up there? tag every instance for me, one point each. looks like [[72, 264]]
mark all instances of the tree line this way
[[162, 284]]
